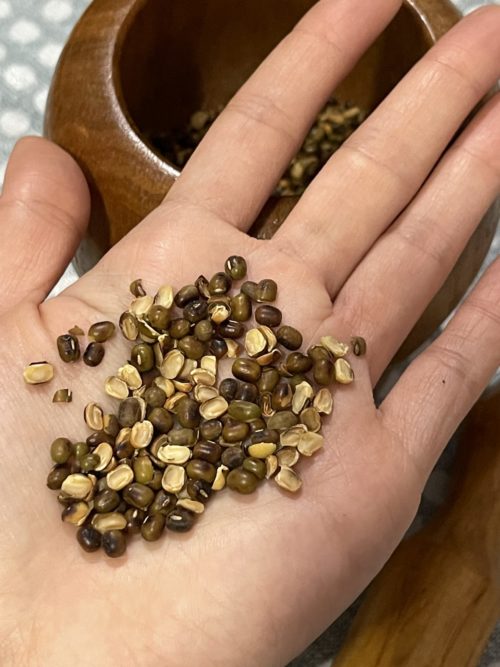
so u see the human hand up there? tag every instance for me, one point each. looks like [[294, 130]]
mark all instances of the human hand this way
[[362, 253]]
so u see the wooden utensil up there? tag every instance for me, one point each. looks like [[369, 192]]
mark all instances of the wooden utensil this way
[[136, 67], [437, 600]]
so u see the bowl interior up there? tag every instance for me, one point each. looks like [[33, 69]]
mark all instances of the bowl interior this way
[[177, 57]]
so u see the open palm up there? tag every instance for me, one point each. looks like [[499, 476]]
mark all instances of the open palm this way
[[260, 576]]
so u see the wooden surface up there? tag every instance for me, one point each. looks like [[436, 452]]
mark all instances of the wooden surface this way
[[437, 600], [132, 67]]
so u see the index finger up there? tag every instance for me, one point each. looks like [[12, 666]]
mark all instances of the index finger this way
[[243, 155]]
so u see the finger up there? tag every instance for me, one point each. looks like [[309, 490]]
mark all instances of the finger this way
[[408, 265], [442, 384], [379, 169], [249, 146], [44, 210]]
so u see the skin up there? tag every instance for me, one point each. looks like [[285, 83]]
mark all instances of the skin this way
[[260, 577]]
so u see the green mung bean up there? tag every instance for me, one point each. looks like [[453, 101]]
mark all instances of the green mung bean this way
[[114, 543], [236, 267], [68, 348], [100, 332]]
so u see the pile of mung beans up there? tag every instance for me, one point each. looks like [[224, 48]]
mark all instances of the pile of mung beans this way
[[333, 125], [181, 432]]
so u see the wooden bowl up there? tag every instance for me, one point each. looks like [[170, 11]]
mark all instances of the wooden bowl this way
[[132, 67]]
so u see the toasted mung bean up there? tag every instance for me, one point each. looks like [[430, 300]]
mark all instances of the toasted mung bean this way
[[218, 347], [140, 306], [268, 315], [129, 326], [79, 449], [114, 543], [244, 411], [185, 295], [282, 420], [201, 284], [172, 364], [68, 348], [208, 451], [155, 483], [260, 450], [165, 297], [289, 337], [143, 469], [271, 465], [165, 384], [163, 503], [236, 267], [120, 477], [180, 520], [203, 393], [138, 495], [246, 369], [141, 434], [142, 357], [200, 469], [309, 443], [323, 401], [296, 362], [323, 372], [287, 456], [317, 352], [242, 480], [77, 486], [199, 490], [89, 462], [93, 416], [60, 450], [343, 371], [211, 429], [335, 347], [173, 478], [161, 419], [249, 288], [38, 372], [184, 437], [247, 392], [89, 538], [76, 513], [153, 527], [179, 328], [195, 311], [100, 332], [130, 375], [135, 519], [191, 347], [235, 432], [241, 307], [268, 380], [192, 505], [204, 331], [76, 331], [301, 397], [213, 408], [178, 454], [288, 479], [282, 396], [267, 290], [56, 477], [311, 418], [158, 317], [233, 457], [136, 288], [228, 388], [265, 435], [220, 478], [255, 466], [255, 342], [219, 311], [106, 501], [358, 345], [231, 329], [220, 283], [62, 396]]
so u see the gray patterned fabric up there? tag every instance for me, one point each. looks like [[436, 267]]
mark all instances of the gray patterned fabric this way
[[32, 33]]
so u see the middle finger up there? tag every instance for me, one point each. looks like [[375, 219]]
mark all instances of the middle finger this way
[[379, 169]]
